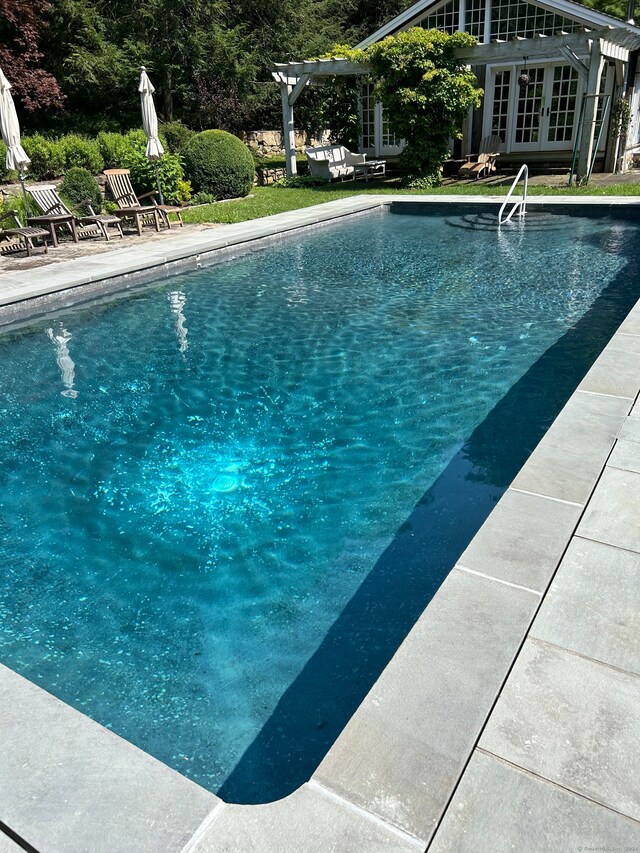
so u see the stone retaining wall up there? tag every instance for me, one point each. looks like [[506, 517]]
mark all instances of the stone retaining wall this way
[[266, 177], [268, 142]]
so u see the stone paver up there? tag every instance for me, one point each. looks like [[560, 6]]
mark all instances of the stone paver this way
[[401, 753], [569, 459], [631, 325], [572, 721], [499, 808], [522, 540], [9, 846], [70, 786], [593, 605], [310, 819], [617, 370], [631, 429], [625, 455], [613, 514]]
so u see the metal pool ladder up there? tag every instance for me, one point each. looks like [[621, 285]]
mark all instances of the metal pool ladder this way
[[521, 204]]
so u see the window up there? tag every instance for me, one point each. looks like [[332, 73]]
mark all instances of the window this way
[[475, 18], [444, 17], [509, 19]]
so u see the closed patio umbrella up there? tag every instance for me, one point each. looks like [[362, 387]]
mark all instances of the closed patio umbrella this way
[[150, 123], [17, 159]]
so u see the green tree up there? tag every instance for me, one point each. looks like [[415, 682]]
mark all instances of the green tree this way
[[426, 93]]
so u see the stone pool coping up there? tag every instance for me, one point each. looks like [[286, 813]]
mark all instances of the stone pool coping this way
[[442, 735]]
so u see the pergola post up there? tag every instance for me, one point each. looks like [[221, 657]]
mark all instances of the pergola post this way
[[615, 134], [289, 130], [585, 153]]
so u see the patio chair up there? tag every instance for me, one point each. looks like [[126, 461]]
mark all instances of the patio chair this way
[[484, 163], [20, 237], [55, 213], [120, 187]]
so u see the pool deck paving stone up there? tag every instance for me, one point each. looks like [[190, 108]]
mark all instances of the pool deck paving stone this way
[[485, 731]]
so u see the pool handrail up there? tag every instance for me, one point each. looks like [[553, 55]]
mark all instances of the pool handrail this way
[[521, 204]]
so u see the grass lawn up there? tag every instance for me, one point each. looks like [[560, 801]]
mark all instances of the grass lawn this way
[[267, 200]]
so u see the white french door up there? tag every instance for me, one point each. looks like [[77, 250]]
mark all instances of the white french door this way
[[542, 116], [376, 138], [546, 110]]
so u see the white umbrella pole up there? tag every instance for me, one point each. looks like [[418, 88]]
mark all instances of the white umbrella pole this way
[[158, 183]]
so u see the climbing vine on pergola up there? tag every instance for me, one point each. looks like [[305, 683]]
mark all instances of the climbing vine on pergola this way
[[426, 93]]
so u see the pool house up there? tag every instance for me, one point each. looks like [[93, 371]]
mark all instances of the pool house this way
[[551, 71]]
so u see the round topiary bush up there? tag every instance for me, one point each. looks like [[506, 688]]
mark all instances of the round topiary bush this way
[[219, 163], [79, 185]]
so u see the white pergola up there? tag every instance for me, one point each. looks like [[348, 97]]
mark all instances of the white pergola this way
[[586, 51]]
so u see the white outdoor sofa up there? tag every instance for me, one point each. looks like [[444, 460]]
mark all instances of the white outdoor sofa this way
[[334, 162]]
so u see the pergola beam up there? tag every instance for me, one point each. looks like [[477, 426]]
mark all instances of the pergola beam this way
[[297, 89], [320, 68], [582, 68]]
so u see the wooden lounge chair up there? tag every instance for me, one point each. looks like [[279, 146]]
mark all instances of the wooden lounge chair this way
[[484, 163], [55, 213], [20, 237], [120, 187]]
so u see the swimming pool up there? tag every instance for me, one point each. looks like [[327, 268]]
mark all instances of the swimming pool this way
[[208, 488]]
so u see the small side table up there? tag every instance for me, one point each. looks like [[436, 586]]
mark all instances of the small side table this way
[[51, 222], [370, 168]]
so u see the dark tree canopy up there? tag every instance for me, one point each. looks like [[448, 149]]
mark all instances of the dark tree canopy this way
[[21, 31]]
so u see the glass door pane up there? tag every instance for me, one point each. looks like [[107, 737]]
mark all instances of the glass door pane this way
[[368, 118], [529, 108], [562, 107]]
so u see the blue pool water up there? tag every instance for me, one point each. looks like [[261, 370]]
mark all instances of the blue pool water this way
[[225, 500]]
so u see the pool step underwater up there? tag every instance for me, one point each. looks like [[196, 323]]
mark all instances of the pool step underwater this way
[[488, 221]]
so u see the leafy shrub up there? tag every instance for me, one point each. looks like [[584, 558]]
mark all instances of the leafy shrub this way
[[83, 152], [219, 163], [301, 181], [183, 192], [79, 184], [4, 174], [13, 203], [203, 198], [114, 149], [136, 140], [170, 172], [178, 136], [46, 155]]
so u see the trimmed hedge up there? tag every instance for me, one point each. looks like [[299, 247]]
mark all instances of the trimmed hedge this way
[[113, 148], [80, 185], [219, 163], [80, 151], [46, 155]]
